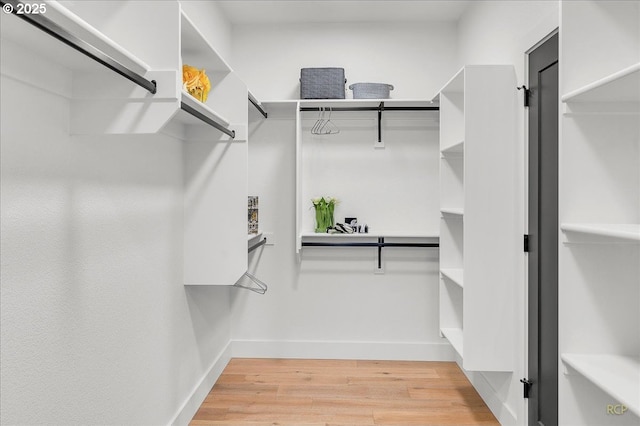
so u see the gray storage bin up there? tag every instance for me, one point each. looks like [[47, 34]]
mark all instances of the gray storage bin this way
[[322, 83], [371, 90]]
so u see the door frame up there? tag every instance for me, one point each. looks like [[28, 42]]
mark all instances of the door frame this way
[[526, 159]]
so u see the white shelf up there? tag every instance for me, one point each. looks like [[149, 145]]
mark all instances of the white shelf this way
[[455, 150], [455, 337], [622, 86], [452, 211], [618, 376], [336, 103], [596, 232], [202, 108], [35, 40], [254, 237], [455, 275]]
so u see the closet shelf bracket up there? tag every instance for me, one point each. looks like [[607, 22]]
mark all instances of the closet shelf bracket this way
[[48, 26]]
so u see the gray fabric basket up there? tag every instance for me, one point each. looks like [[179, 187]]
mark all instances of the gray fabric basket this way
[[371, 90], [322, 83]]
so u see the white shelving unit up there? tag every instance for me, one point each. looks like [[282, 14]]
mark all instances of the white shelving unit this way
[[106, 102], [479, 250], [599, 335], [326, 165]]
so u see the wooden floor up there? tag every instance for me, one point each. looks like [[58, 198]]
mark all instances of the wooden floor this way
[[267, 392]]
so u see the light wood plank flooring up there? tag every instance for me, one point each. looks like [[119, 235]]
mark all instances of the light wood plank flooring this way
[[292, 392]]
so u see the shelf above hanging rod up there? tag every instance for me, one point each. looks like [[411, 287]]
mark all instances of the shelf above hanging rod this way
[[189, 109], [48, 26]]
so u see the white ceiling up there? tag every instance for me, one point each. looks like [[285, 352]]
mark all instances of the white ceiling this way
[[307, 11]]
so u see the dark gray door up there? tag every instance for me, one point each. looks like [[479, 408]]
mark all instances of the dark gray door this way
[[543, 233]]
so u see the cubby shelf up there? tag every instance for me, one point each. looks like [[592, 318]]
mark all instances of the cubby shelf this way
[[617, 375], [599, 232], [455, 275], [197, 51]]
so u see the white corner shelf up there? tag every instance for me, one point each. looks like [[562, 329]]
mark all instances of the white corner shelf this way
[[455, 336], [599, 232], [617, 375], [621, 86], [452, 211], [455, 275]]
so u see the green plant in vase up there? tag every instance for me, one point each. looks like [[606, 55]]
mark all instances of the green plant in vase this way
[[324, 207]]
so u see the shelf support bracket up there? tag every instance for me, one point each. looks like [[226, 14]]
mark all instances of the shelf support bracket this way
[[380, 109]]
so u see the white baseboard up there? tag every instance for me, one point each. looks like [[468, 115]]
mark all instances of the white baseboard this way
[[200, 392], [343, 350], [504, 414]]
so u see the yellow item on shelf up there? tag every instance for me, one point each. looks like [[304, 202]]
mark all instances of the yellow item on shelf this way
[[196, 82]]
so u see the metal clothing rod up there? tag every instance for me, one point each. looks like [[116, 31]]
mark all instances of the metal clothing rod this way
[[48, 26], [380, 244], [380, 108], [258, 107], [383, 244], [207, 120], [255, 246]]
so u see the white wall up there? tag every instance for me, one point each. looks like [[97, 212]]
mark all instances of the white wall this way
[[415, 58], [96, 325], [500, 32]]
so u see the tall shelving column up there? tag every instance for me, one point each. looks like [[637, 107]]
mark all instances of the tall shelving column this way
[[480, 250], [451, 100], [599, 256]]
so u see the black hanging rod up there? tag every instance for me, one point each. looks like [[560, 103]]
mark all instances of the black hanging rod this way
[[207, 120], [258, 107], [379, 244], [372, 108], [48, 26], [255, 246], [356, 244], [380, 108]]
